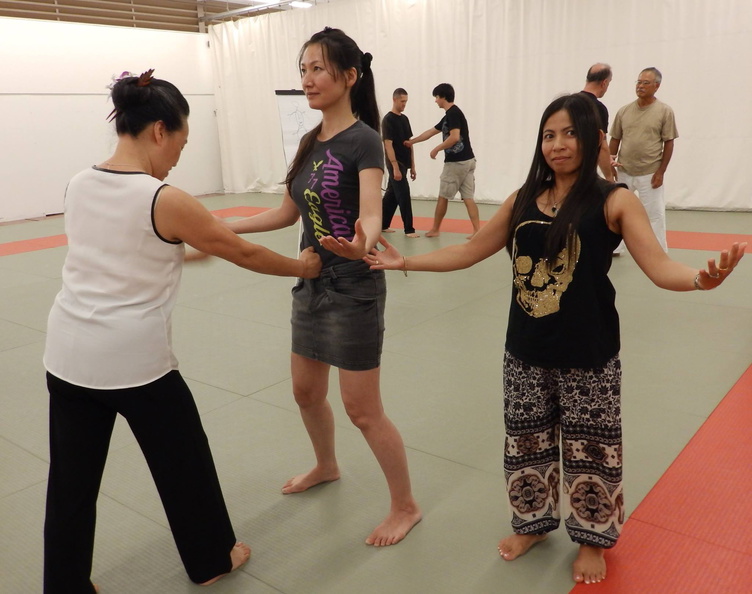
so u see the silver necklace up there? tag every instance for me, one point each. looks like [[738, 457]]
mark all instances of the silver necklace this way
[[555, 203]]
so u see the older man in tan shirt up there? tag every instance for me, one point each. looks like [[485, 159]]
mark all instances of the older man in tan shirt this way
[[642, 141]]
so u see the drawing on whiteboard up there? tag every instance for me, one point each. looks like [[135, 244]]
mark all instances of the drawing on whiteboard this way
[[296, 118], [299, 118]]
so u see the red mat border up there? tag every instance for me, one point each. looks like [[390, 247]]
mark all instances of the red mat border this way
[[685, 240], [692, 531]]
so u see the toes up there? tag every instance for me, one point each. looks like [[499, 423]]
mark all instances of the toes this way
[[589, 579], [291, 486], [381, 541], [505, 553]]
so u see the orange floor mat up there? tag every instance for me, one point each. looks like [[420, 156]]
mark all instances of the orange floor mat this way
[[714, 242], [693, 531], [682, 240], [32, 245], [42, 243], [686, 240]]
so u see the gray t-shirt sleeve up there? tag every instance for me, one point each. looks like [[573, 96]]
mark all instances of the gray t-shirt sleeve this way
[[368, 149]]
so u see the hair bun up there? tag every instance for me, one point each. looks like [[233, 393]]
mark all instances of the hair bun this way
[[365, 62]]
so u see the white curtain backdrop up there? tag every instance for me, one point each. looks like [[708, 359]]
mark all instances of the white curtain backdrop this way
[[507, 59]]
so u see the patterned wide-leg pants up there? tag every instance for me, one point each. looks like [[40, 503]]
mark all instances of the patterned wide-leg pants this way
[[582, 407]]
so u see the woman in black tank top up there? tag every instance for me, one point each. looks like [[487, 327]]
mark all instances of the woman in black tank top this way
[[562, 375]]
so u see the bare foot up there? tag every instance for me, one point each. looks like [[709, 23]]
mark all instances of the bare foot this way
[[412, 235], [433, 233], [590, 565], [394, 527], [239, 555], [387, 230], [517, 545], [303, 482]]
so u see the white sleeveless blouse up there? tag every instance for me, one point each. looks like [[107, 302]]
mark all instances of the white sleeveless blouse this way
[[110, 325]]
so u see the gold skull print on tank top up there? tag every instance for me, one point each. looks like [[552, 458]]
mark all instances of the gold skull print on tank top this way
[[540, 286]]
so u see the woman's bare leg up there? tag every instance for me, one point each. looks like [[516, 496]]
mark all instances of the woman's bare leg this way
[[362, 399], [310, 384]]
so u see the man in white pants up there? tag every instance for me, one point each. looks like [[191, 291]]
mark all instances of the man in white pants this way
[[643, 136]]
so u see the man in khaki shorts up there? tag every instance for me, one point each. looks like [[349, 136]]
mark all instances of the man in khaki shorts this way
[[458, 174]]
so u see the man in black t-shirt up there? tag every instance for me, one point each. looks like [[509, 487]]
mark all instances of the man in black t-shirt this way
[[395, 130], [596, 84], [458, 174]]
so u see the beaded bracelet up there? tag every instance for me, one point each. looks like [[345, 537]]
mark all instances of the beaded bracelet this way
[[697, 283]]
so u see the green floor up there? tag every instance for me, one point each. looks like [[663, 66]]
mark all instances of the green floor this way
[[441, 381]]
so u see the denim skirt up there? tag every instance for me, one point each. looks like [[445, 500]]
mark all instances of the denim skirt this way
[[338, 318]]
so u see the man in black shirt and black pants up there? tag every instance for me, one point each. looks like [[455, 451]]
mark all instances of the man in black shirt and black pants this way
[[395, 130], [458, 174]]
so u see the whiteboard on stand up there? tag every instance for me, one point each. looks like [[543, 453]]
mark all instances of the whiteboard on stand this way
[[296, 118]]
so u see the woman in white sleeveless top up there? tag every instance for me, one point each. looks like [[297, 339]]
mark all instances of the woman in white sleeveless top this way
[[109, 349]]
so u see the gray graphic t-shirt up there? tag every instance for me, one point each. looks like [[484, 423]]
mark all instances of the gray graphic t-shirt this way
[[327, 189]]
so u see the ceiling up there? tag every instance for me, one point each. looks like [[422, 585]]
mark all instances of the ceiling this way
[[172, 15]]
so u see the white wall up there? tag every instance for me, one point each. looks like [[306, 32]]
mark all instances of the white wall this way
[[507, 60], [54, 104]]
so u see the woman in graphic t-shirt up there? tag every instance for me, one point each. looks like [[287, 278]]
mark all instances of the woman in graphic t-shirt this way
[[334, 186]]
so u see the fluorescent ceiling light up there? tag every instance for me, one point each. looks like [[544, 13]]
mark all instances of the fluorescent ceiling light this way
[[298, 4]]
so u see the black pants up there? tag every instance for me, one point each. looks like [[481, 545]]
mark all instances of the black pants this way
[[397, 194], [166, 423]]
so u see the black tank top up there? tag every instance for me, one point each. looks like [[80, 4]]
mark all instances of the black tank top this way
[[564, 317]]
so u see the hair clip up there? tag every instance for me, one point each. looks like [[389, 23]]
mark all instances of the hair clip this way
[[145, 79], [116, 78]]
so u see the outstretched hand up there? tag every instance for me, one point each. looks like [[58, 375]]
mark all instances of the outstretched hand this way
[[353, 250], [388, 259], [717, 273]]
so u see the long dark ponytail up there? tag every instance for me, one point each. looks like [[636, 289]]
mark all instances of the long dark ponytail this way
[[540, 178], [340, 54]]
